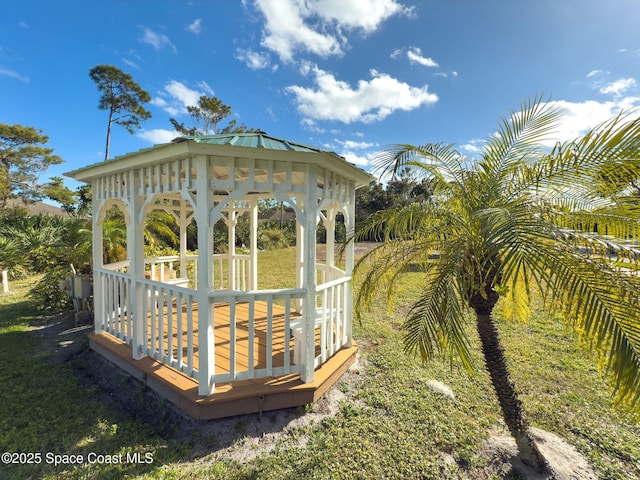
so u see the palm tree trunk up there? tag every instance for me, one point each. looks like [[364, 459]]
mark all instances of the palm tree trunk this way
[[512, 410]]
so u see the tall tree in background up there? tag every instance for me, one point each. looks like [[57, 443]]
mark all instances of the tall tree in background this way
[[23, 157], [500, 228], [206, 118], [121, 97]]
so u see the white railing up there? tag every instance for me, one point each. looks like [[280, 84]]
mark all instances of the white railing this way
[[326, 273], [259, 333], [332, 317], [169, 334], [118, 266], [167, 268], [114, 314], [240, 274]]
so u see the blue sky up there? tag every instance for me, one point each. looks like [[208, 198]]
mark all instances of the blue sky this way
[[351, 76]]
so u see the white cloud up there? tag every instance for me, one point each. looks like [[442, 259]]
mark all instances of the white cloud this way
[[351, 145], [348, 149], [131, 63], [357, 14], [158, 135], [175, 97], [5, 72], [626, 51], [593, 73], [182, 93], [205, 86], [156, 40], [453, 74], [396, 53], [371, 100], [414, 54], [361, 160], [578, 118], [618, 87], [195, 27], [132, 58], [285, 31], [306, 68], [317, 26], [311, 125], [253, 60], [474, 146]]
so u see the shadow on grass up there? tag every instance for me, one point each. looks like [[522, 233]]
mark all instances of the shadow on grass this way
[[16, 314], [58, 397], [45, 409]]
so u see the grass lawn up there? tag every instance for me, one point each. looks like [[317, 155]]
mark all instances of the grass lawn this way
[[392, 424]]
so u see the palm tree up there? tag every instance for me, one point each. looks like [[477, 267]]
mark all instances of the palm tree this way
[[114, 236], [11, 258], [515, 222]]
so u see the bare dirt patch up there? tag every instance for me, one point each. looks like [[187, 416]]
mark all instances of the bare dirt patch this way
[[246, 437], [359, 250], [499, 457]]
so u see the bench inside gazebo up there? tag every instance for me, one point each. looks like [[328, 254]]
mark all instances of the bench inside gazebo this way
[[198, 328]]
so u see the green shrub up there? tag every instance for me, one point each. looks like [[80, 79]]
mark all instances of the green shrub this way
[[48, 293], [272, 239], [11, 257]]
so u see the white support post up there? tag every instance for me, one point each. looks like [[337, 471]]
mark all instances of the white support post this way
[[299, 253], [253, 247], [330, 227], [135, 252], [349, 221], [309, 275], [97, 260], [5, 281], [183, 238], [231, 250], [206, 344]]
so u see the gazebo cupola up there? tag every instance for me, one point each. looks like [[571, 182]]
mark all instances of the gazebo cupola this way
[[205, 315]]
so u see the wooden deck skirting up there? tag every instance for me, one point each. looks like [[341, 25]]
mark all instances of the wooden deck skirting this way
[[231, 398]]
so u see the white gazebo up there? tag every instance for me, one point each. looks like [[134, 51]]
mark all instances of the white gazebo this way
[[199, 328]]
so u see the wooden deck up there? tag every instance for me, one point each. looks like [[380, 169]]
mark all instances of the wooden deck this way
[[232, 398]]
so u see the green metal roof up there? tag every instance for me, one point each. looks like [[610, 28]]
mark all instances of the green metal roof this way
[[257, 140], [252, 140]]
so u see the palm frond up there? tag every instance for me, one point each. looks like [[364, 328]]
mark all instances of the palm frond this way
[[612, 146], [410, 236], [435, 325], [520, 137], [603, 306], [438, 161], [383, 265]]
